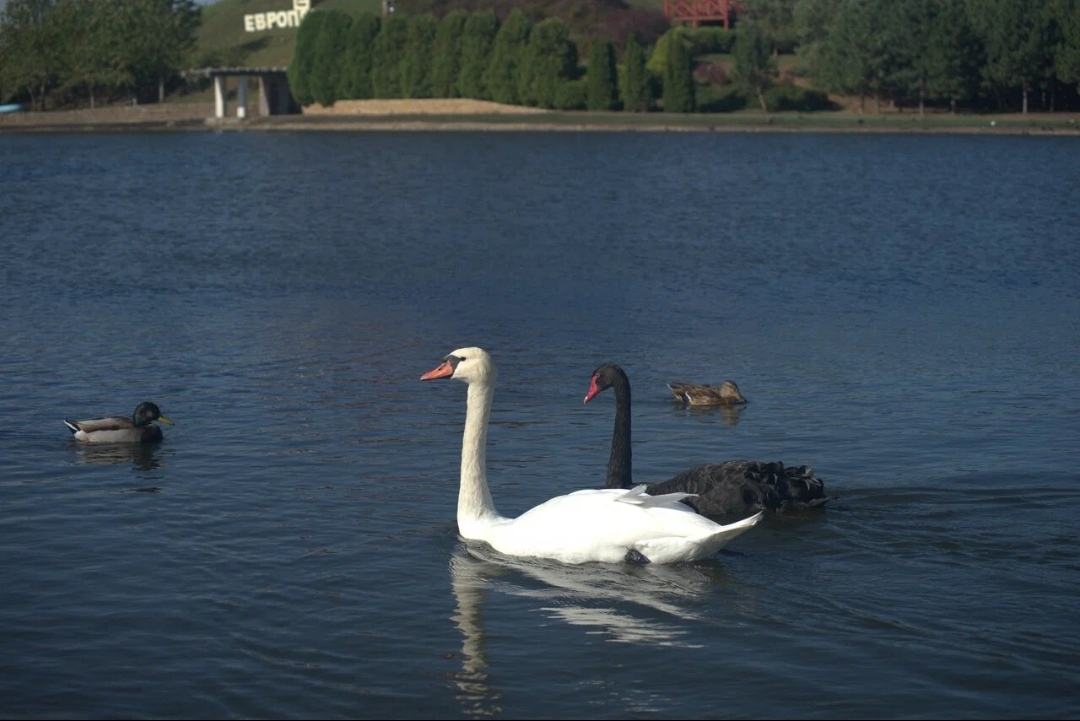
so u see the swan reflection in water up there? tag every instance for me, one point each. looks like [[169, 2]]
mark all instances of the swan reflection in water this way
[[625, 603], [144, 456]]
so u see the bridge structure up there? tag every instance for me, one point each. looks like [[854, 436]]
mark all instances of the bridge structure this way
[[696, 12], [273, 89]]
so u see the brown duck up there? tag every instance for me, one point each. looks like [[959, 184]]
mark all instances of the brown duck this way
[[702, 394]]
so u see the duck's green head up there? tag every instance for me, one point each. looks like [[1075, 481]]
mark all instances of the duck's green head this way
[[147, 412]]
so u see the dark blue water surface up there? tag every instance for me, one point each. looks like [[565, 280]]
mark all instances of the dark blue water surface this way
[[903, 313]]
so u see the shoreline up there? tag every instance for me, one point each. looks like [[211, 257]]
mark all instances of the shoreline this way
[[472, 116]]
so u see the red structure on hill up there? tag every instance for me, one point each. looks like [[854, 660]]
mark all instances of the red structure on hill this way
[[696, 12]]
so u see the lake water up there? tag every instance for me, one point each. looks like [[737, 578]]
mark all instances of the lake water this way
[[902, 311]]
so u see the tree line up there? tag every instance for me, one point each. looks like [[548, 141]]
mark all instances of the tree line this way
[[955, 54], [1007, 54], [463, 55], [94, 49], [1010, 54]]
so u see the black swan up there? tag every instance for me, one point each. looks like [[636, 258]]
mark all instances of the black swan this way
[[724, 490]]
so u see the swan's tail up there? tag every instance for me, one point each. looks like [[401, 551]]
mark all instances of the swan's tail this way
[[790, 488], [682, 548]]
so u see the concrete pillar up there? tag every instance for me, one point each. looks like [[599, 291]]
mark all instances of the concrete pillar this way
[[241, 96], [219, 96], [265, 106]]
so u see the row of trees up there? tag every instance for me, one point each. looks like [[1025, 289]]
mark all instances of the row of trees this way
[[1015, 54], [949, 53], [463, 55], [94, 48], [946, 52], [517, 61]]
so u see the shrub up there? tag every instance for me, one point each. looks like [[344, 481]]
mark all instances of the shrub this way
[[658, 59], [791, 97], [720, 99], [708, 40], [571, 95]]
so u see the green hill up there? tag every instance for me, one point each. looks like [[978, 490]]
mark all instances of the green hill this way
[[223, 41]]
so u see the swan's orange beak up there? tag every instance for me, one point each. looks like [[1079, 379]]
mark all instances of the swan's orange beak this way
[[445, 370], [593, 390]]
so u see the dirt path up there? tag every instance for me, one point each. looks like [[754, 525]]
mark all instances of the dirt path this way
[[464, 114]]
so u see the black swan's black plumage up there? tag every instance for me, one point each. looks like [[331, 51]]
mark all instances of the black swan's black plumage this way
[[725, 491]]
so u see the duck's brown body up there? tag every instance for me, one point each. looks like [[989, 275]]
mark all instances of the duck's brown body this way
[[703, 394]]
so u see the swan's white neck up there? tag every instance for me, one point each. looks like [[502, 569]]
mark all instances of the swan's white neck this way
[[476, 511]]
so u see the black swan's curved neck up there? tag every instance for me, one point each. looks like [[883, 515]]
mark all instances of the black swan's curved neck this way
[[620, 472]]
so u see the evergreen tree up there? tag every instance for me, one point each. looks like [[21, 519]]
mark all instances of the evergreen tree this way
[[755, 67], [477, 39], [812, 19], [849, 60], [548, 61], [386, 55], [775, 19], [635, 91], [955, 55], [602, 80], [1067, 57], [501, 76], [357, 71], [416, 60], [446, 60], [303, 58], [1019, 37], [679, 91], [328, 79]]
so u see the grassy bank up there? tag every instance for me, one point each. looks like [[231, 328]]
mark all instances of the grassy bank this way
[[435, 115]]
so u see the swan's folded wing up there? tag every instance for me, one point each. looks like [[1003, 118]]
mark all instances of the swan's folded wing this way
[[638, 497]]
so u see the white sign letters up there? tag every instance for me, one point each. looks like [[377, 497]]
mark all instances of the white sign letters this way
[[257, 22]]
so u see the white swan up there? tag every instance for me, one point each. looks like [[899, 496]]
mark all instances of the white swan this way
[[610, 525]]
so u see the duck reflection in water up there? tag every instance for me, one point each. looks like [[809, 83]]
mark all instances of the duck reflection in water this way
[[729, 415], [144, 456]]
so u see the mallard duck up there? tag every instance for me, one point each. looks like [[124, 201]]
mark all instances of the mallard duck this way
[[722, 491], [118, 429], [702, 394]]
